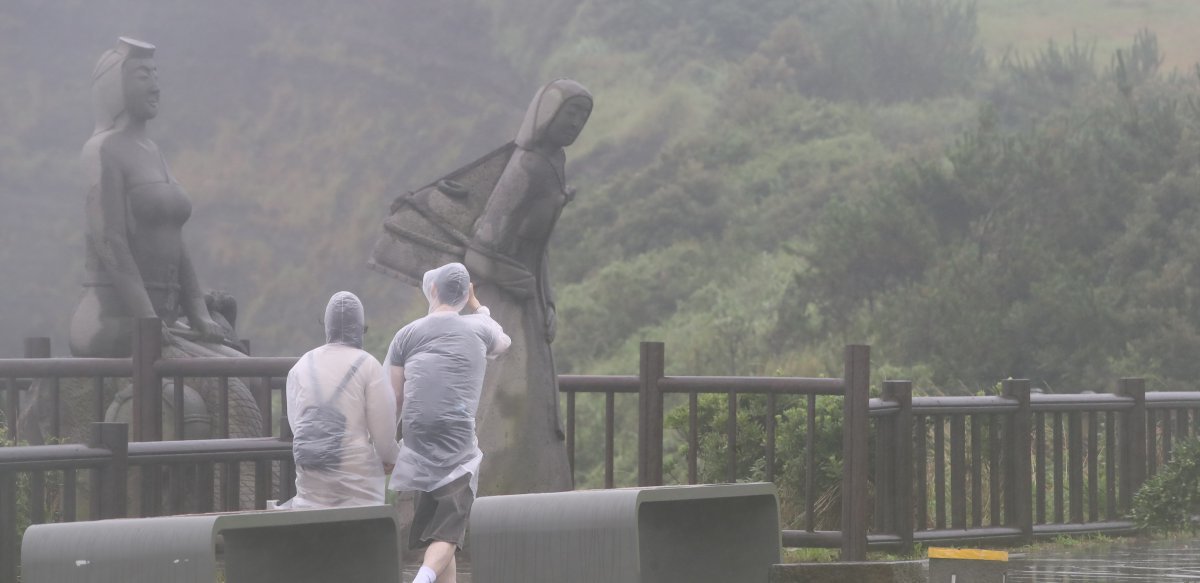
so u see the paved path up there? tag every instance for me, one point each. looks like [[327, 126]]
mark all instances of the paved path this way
[[464, 570]]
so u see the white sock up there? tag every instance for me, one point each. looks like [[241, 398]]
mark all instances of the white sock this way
[[425, 575]]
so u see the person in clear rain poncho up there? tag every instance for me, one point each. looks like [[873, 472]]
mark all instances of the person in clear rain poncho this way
[[342, 414], [437, 367]]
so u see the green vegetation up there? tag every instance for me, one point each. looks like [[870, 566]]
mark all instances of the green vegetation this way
[[1170, 500]]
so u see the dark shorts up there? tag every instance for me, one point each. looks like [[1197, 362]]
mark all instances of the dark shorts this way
[[441, 515]]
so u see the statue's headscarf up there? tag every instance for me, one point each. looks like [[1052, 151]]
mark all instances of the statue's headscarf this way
[[448, 285], [108, 89], [545, 106]]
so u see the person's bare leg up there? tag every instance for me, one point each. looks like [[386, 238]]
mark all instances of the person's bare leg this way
[[404, 510], [450, 575], [438, 558]]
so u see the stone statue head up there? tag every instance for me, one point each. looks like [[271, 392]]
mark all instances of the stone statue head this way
[[124, 85], [556, 115]]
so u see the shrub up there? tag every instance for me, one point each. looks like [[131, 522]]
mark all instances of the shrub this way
[[1171, 499]]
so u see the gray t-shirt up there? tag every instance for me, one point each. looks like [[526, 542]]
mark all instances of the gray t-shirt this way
[[444, 356]]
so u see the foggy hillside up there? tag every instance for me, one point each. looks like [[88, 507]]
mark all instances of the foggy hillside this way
[[979, 190], [290, 124]]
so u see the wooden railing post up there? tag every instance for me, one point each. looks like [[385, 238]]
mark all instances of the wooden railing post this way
[[39, 347], [1018, 475], [855, 452], [900, 392], [147, 385], [110, 498], [651, 369], [35, 347], [9, 537], [1133, 439]]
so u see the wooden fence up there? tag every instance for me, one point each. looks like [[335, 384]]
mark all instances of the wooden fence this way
[[1002, 469], [122, 479], [1015, 465]]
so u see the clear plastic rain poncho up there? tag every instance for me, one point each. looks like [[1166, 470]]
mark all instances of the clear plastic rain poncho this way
[[343, 416], [444, 356]]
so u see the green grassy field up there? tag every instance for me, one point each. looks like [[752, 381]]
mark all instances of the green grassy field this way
[[1025, 25]]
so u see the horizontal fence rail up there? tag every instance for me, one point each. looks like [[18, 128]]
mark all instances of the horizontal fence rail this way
[[110, 477], [144, 373], [999, 468]]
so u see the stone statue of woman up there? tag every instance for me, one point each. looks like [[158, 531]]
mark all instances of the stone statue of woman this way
[[137, 264], [518, 419]]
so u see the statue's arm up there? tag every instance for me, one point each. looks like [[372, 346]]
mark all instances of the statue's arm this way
[[109, 232], [548, 295], [548, 182], [193, 298], [496, 227]]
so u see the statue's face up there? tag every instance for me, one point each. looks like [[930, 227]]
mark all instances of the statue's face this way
[[568, 122], [141, 88]]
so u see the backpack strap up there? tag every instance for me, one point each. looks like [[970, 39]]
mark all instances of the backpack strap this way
[[312, 371], [349, 375]]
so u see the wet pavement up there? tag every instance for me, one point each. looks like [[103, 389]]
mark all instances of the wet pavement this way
[[1165, 560], [1169, 561]]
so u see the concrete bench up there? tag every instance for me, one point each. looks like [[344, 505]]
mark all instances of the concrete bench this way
[[672, 534], [292, 546]]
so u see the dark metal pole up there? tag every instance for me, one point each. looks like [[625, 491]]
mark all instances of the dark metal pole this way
[[9, 537], [39, 347], [855, 452], [1133, 439], [650, 414], [110, 500], [1017, 474], [900, 392], [147, 386]]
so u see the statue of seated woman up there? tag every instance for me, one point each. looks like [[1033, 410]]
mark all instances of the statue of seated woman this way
[[137, 263]]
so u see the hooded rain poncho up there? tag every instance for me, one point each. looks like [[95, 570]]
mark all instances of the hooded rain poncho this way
[[444, 356], [343, 416]]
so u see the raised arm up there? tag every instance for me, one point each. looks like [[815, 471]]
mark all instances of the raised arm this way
[[109, 233], [497, 341]]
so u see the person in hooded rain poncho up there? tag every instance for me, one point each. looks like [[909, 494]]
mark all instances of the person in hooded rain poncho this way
[[437, 369], [342, 414]]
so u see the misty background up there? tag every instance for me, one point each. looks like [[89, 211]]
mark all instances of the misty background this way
[[977, 189]]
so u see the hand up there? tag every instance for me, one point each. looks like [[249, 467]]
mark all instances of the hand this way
[[472, 301], [387, 468], [207, 329]]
